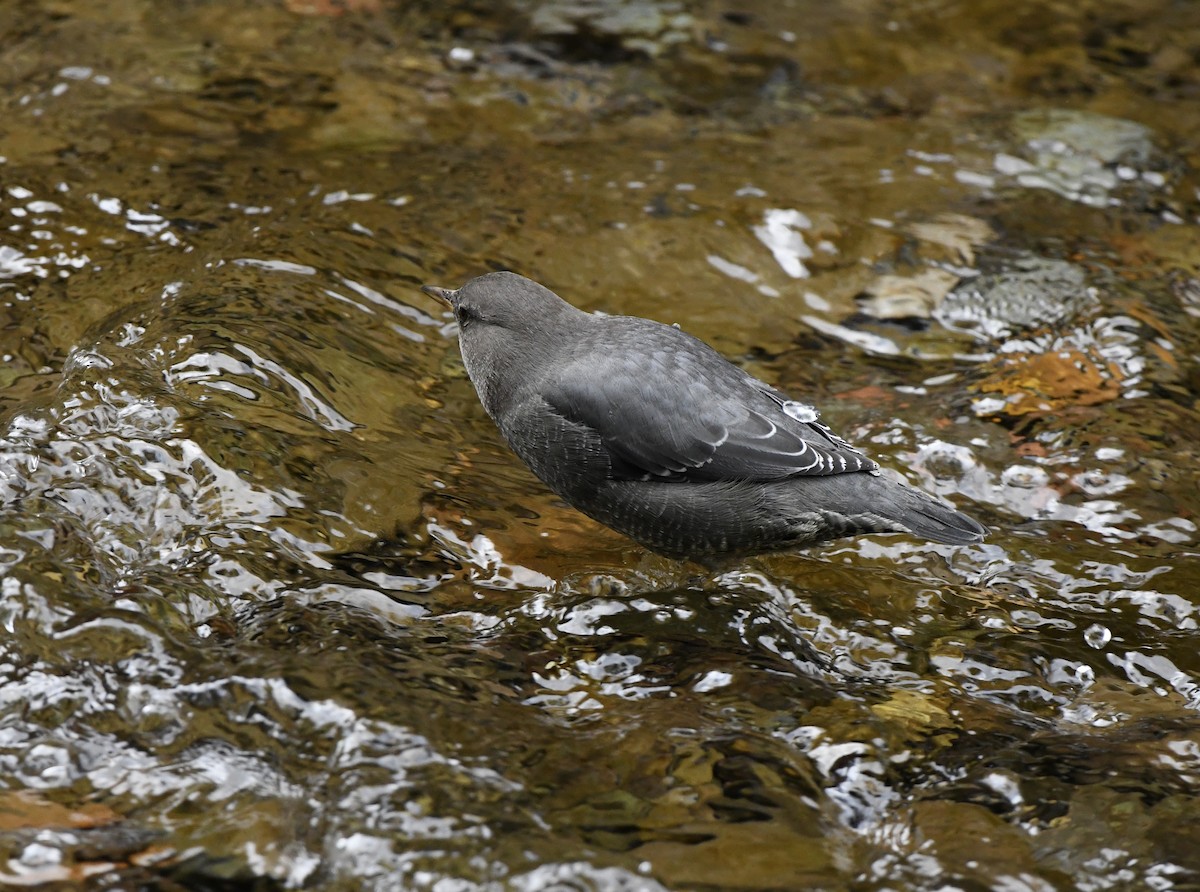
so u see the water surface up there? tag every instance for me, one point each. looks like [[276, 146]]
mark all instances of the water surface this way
[[281, 610]]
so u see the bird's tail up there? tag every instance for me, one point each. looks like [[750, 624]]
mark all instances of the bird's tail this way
[[869, 503], [925, 516]]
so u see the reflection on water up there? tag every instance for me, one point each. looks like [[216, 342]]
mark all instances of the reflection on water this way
[[279, 608]]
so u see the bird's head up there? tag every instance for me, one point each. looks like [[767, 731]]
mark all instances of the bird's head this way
[[505, 320], [501, 300]]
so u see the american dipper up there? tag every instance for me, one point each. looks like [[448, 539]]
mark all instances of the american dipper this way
[[652, 432]]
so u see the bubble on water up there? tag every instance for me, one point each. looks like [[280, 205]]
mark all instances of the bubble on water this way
[[1097, 635], [946, 461], [1024, 477], [1099, 483]]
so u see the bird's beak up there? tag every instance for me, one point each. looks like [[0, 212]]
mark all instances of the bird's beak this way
[[445, 295]]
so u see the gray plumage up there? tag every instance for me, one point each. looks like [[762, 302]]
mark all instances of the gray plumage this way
[[653, 433]]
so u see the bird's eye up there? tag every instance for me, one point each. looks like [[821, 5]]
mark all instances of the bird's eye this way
[[465, 315]]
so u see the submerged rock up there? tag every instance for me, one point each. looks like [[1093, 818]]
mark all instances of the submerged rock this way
[[1080, 155], [1033, 292], [641, 26]]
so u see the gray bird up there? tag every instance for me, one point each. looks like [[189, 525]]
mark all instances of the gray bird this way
[[653, 433]]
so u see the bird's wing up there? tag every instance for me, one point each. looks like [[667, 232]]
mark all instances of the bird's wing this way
[[688, 414]]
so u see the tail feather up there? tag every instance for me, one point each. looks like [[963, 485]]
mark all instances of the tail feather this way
[[928, 518], [864, 502]]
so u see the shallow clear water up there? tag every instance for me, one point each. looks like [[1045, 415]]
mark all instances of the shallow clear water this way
[[280, 608]]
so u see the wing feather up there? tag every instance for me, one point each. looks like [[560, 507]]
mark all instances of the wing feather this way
[[686, 413]]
